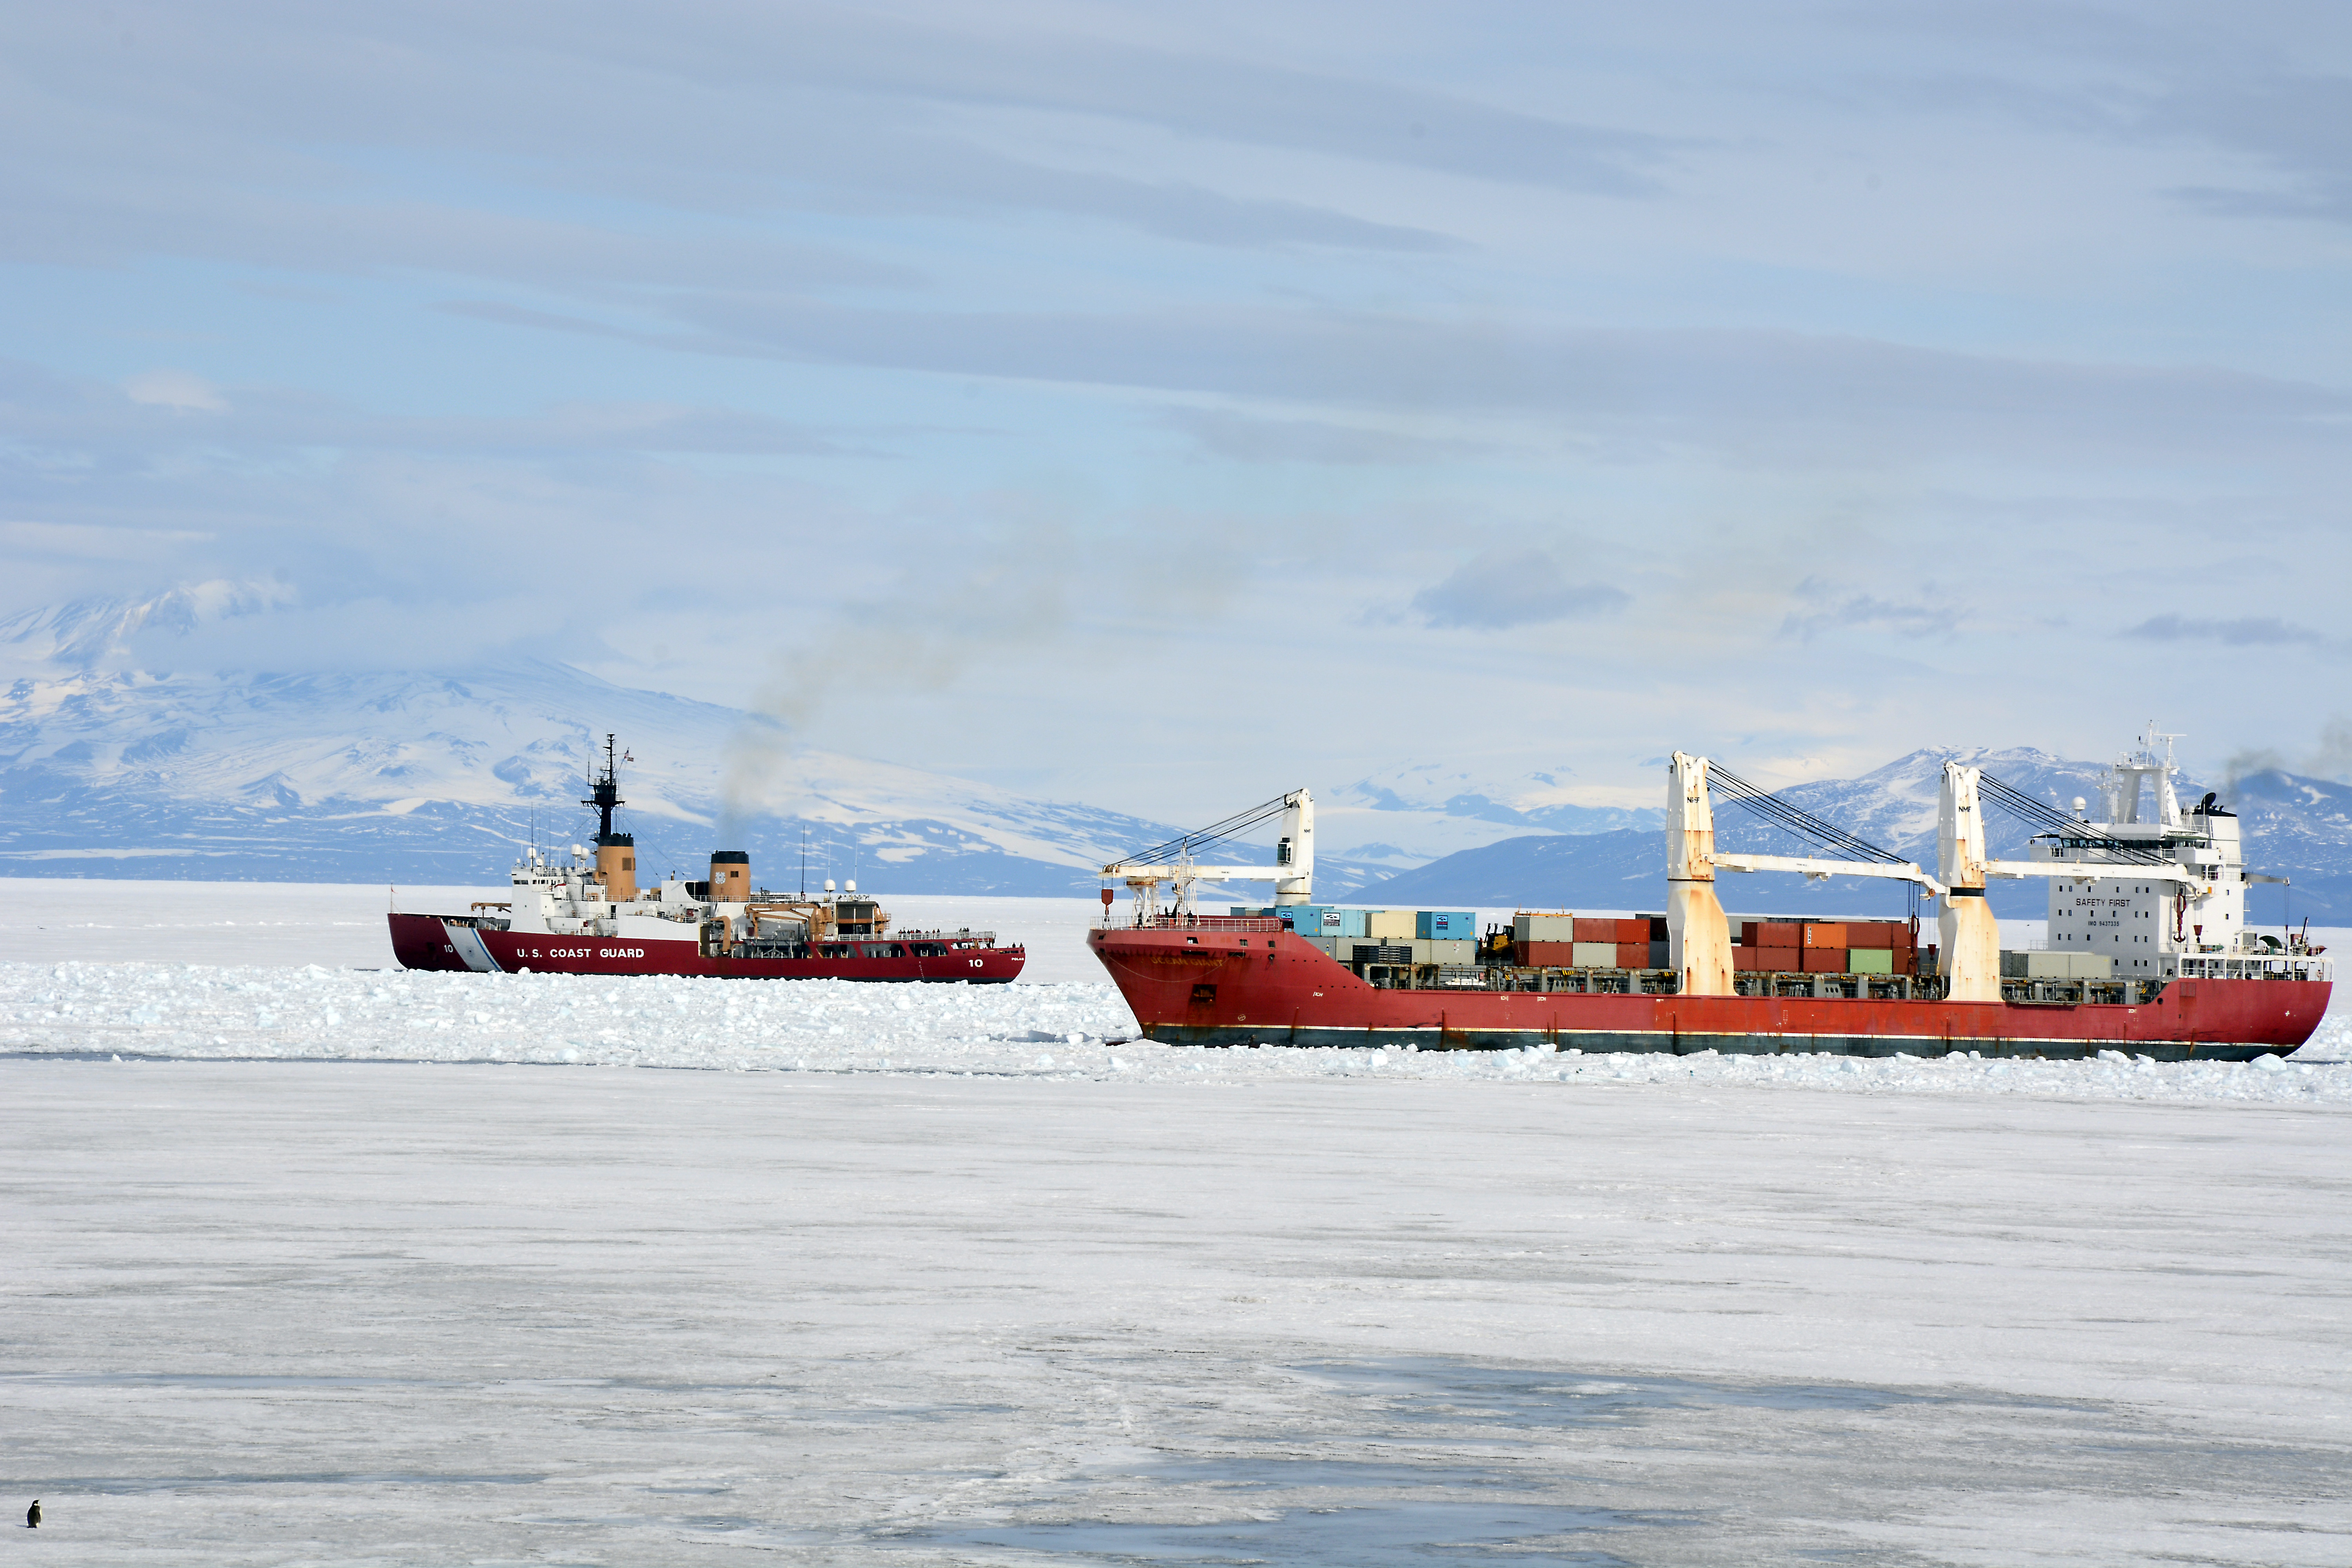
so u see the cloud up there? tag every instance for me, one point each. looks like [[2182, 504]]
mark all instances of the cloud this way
[[2250, 631], [1248, 438], [176, 390], [1504, 589], [1770, 395], [1863, 611]]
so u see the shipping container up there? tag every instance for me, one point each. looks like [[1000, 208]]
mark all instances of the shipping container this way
[[1544, 954], [1819, 935], [1658, 931], [1591, 929], [1780, 960], [1526, 927], [1327, 945], [1444, 949], [1870, 960], [1770, 934], [1633, 929], [1595, 954], [1444, 925], [1350, 922], [1659, 950], [1388, 925], [1633, 954], [2057, 966], [1823, 959]]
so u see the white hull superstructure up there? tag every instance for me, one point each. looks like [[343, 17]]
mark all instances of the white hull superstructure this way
[[2162, 893]]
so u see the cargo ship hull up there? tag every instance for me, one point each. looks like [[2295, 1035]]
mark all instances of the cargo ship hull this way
[[452, 943], [1229, 988]]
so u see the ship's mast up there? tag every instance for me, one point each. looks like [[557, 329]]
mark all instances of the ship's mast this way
[[605, 794]]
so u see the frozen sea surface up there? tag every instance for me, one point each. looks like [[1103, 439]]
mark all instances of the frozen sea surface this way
[[346, 1313], [334, 1266]]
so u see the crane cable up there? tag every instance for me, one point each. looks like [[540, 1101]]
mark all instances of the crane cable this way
[[1216, 833], [1778, 812]]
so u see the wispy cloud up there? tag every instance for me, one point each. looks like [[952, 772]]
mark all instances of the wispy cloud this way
[[1506, 588], [1859, 612], [176, 390], [2246, 631]]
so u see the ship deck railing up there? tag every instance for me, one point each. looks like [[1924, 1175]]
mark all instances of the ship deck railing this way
[[1209, 922], [2255, 966]]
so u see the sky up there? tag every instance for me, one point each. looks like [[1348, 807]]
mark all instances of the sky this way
[[1165, 406]]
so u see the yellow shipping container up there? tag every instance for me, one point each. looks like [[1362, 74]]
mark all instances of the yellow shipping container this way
[[1388, 925]]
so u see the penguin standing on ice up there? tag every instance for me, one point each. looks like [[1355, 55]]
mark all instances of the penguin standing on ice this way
[[33, 1515]]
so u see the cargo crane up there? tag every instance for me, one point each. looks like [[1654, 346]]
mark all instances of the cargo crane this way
[[1969, 938], [1698, 937], [1176, 863]]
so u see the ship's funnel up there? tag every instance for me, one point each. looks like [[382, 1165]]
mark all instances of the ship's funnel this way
[[730, 876], [1971, 936], [1698, 937], [616, 866]]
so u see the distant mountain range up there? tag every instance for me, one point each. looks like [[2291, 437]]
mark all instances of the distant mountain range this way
[[108, 769], [2294, 827]]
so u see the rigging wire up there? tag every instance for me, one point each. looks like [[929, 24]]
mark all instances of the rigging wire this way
[[2047, 818], [1226, 831], [1777, 813]]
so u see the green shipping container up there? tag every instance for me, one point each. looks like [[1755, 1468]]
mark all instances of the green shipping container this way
[[1870, 960]]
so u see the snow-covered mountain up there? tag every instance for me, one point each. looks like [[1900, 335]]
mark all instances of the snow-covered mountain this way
[[1413, 813], [108, 770], [2295, 827]]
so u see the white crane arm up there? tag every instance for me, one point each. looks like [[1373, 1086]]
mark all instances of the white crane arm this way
[[1814, 866]]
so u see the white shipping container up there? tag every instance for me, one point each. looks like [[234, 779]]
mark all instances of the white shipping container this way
[[1444, 949], [1543, 928], [1388, 925], [1594, 955], [2069, 966]]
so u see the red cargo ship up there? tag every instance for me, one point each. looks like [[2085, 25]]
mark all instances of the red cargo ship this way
[[2148, 948], [588, 917], [1219, 981]]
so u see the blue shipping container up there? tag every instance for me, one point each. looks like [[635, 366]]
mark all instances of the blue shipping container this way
[[1444, 925], [1350, 922]]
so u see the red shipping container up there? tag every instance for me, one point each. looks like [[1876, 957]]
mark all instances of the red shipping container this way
[[1547, 954], [1824, 961], [1634, 954], [1878, 933], [1770, 933], [1631, 931], [1595, 931], [1787, 959], [1818, 934]]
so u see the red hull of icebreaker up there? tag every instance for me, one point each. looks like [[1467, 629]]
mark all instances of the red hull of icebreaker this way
[[1233, 988], [432, 942]]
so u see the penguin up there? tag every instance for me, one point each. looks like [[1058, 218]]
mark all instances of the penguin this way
[[33, 1515]]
